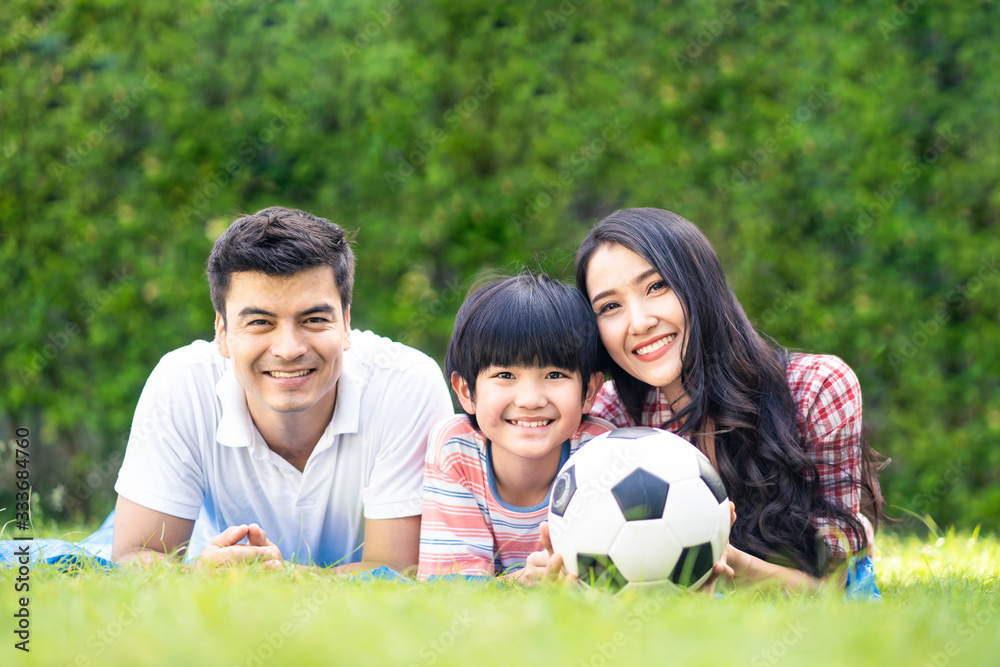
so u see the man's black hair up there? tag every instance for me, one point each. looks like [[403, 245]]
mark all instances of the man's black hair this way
[[280, 241]]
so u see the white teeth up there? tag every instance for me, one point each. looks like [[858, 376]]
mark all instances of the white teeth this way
[[655, 346], [531, 424], [279, 374]]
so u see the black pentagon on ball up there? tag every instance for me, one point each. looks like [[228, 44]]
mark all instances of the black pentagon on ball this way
[[563, 490], [600, 572], [641, 495], [692, 564], [633, 432], [712, 479]]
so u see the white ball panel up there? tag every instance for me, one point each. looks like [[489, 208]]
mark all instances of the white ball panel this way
[[645, 550], [691, 512], [721, 537], [667, 456]]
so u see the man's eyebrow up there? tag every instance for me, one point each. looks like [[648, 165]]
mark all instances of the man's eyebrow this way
[[638, 279], [249, 310], [320, 308]]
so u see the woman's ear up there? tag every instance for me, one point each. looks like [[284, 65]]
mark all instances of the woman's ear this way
[[594, 386], [463, 392]]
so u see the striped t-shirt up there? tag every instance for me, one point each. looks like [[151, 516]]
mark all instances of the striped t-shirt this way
[[466, 527]]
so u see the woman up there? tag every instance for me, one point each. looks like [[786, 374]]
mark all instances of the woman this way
[[784, 430]]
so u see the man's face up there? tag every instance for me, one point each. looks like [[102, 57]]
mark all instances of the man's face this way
[[286, 337]]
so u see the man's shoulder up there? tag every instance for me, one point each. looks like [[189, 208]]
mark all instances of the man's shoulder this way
[[193, 354], [378, 353]]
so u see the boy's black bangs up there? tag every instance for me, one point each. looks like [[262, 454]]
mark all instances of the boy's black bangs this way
[[526, 322]]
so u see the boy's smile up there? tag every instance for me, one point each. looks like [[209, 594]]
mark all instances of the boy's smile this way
[[527, 412]]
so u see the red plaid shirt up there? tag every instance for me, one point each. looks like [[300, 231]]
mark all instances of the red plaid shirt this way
[[828, 397]]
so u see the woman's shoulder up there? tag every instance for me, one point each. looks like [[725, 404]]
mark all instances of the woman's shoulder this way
[[813, 373], [825, 390]]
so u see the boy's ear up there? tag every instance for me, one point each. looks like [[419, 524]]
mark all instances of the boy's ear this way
[[594, 386], [463, 392]]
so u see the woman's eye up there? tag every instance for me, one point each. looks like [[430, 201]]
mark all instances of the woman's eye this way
[[658, 285], [607, 308]]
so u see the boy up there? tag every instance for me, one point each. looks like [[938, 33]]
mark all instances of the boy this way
[[524, 362]]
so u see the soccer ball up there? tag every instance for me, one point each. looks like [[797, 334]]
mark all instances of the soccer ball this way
[[639, 507]]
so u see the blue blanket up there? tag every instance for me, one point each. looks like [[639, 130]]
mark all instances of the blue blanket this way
[[95, 552]]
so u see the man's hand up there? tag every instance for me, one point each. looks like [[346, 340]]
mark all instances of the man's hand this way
[[227, 550]]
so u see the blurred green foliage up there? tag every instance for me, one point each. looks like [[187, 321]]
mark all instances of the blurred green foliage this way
[[840, 156]]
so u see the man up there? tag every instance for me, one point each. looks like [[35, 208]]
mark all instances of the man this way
[[291, 431]]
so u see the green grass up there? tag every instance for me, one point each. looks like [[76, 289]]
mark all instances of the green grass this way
[[940, 606]]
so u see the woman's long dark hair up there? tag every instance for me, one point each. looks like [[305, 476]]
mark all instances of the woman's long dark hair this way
[[740, 408]]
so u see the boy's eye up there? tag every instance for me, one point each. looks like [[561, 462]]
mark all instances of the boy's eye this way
[[555, 375], [504, 375]]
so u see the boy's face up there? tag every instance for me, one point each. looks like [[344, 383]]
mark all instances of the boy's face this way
[[528, 412], [286, 337]]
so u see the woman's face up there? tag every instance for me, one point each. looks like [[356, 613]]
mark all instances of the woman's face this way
[[640, 318]]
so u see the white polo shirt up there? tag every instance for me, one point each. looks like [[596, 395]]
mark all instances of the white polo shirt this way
[[193, 447]]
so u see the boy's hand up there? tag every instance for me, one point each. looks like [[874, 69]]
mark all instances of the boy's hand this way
[[545, 565]]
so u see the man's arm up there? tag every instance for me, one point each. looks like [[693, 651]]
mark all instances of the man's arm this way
[[390, 542], [146, 536]]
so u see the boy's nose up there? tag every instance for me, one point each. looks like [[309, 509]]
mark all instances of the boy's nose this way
[[530, 395]]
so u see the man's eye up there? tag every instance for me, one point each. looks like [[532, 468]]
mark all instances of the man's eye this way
[[316, 320], [256, 323]]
